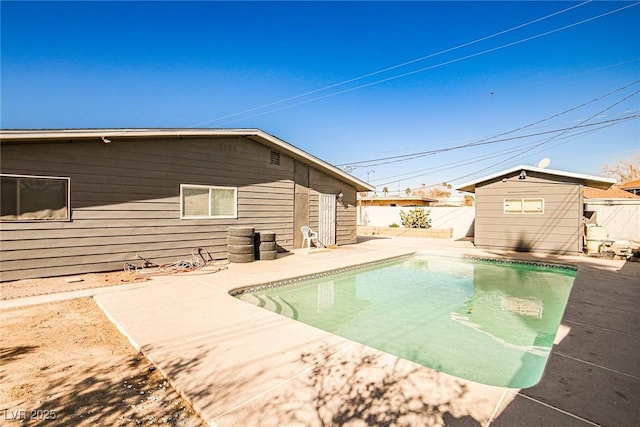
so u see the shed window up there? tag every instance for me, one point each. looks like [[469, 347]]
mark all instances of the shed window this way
[[34, 198], [523, 206], [201, 201]]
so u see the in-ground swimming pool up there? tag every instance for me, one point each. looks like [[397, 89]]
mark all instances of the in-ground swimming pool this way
[[488, 321]]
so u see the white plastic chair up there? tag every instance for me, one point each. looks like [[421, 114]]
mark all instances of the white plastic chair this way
[[309, 236]]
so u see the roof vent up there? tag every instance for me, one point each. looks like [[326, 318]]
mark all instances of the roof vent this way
[[275, 157]]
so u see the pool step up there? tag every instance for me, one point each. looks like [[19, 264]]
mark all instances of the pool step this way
[[275, 304]]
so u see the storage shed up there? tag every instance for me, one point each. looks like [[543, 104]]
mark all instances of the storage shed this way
[[528, 208], [78, 201]]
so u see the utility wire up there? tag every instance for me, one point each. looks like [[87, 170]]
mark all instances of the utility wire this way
[[442, 150], [452, 165], [487, 140], [409, 73], [393, 67], [487, 168], [581, 124], [561, 113], [411, 156]]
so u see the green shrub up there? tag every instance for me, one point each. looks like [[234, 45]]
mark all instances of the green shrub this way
[[416, 218], [394, 225]]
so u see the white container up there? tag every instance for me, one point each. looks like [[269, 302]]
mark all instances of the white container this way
[[597, 233], [594, 246]]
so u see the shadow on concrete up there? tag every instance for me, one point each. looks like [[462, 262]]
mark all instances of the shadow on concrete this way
[[373, 389], [202, 383], [360, 238]]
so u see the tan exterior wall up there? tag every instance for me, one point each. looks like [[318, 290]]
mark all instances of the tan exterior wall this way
[[125, 200], [557, 230], [301, 207]]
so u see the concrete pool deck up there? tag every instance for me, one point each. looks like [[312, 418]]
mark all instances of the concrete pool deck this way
[[238, 364]]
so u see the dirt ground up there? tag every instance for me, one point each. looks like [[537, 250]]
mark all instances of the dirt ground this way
[[33, 287], [66, 364]]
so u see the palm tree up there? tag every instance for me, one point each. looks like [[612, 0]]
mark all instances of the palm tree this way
[[385, 190]]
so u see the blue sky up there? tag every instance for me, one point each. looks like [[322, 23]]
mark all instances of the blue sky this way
[[313, 74]]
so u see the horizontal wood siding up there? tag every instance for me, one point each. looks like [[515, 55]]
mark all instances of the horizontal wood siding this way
[[125, 201], [557, 230], [314, 210]]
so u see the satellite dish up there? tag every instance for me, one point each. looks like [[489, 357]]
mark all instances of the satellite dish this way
[[544, 163]]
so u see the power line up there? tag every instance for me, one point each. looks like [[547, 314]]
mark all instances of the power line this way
[[452, 165], [442, 150], [393, 67], [487, 140], [521, 151], [579, 125], [584, 104], [517, 42], [489, 167]]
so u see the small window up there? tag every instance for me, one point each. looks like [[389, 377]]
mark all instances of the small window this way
[[275, 157], [34, 198], [532, 206], [513, 206], [201, 201], [523, 206]]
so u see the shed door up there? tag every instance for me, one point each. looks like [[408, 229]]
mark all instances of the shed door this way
[[327, 219]]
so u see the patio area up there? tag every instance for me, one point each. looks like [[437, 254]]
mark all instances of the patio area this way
[[238, 364]]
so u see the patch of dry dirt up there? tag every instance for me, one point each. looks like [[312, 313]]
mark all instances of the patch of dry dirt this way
[[33, 287], [66, 364]]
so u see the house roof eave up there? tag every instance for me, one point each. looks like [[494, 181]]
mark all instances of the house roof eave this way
[[631, 185], [257, 135], [588, 180]]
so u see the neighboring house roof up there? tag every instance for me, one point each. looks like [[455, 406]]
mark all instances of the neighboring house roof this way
[[631, 185], [588, 180], [256, 135], [611, 193]]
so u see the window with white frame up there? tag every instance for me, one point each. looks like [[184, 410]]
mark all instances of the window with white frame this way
[[202, 201], [524, 206], [34, 198]]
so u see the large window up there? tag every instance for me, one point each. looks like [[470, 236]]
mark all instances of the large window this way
[[34, 198], [523, 206], [201, 201]]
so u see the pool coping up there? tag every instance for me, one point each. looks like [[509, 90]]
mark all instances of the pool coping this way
[[297, 279]]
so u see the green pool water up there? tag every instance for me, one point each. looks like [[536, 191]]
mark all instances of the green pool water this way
[[485, 321]]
